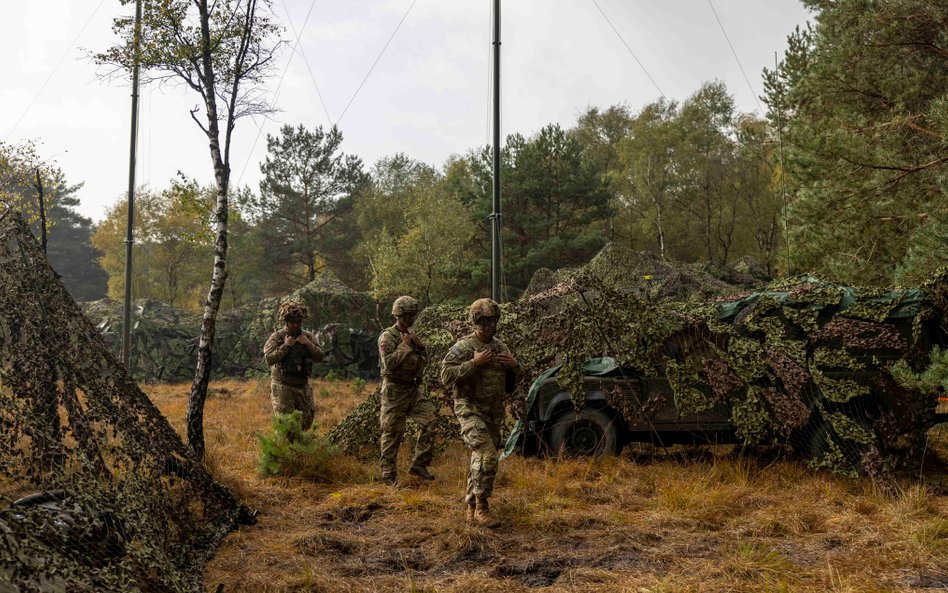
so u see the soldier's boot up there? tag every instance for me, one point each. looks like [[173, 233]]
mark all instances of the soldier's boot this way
[[483, 515], [421, 472], [470, 502], [471, 508]]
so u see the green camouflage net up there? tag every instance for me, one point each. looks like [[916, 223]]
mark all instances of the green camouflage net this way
[[345, 321], [164, 339], [803, 361], [116, 501]]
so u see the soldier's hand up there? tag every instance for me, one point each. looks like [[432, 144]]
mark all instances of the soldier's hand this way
[[290, 340], [416, 341], [302, 339], [507, 360], [483, 357], [407, 339]]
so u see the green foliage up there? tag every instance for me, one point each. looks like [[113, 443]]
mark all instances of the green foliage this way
[[555, 203], [695, 182], [416, 231], [71, 253], [358, 386], [19, 166], [69, 249], [292, 451], [174, 241], [932, 379], [304, 203], [860, 95]]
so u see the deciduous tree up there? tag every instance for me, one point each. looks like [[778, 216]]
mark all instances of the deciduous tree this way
[[222, 51]]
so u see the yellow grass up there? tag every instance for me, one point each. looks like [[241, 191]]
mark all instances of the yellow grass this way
[[661, 523]]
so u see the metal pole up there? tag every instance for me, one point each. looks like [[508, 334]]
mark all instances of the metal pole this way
[[783, 174], [495, 261], [129, 230]]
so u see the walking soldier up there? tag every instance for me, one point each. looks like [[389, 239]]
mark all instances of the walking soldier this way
[[402, 358]]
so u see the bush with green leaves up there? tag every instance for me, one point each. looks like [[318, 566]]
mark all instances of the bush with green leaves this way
[[292, 451]]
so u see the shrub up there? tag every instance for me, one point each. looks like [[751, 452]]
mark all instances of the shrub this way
[[358, 386], [292, 451]]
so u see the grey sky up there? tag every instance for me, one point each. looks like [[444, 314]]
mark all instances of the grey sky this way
[[428, 96]]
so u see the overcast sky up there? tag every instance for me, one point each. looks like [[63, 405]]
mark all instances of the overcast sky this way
[[428, 96]]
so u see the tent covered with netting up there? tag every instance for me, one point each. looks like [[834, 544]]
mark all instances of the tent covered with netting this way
[[97, 491]]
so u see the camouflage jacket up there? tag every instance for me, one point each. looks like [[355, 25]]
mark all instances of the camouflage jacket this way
[[479, 386], [400, 362], [290, 364]]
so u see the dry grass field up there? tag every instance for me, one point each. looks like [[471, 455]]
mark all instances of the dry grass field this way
[[692, 520]]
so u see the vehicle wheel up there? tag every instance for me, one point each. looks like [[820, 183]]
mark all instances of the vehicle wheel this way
[[812, 441], [589, 432]]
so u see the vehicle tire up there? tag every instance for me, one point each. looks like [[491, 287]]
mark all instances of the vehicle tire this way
[[591, 431], [812, 442]]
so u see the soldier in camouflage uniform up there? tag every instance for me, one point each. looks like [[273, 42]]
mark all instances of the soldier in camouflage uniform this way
[[402, 358], [481, 371], [290, 354]]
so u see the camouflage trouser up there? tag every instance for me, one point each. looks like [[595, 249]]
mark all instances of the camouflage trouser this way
[[289, 398], [399, 403], [480, 431]]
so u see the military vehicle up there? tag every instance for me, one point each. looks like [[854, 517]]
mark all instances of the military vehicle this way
[[811, 365]]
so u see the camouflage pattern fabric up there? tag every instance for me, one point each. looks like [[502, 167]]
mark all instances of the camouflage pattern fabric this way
[[136, 511], [399, 404], [288, 398], [479, 395], [289, 393], [402, 366]]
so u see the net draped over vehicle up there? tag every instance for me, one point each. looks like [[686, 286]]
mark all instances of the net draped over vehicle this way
[[830, 368]]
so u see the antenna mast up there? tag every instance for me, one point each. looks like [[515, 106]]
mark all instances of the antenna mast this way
[[129, 231], [495, 260]]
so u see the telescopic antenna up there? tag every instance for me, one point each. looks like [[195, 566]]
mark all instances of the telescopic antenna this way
[[129, 231], [495, 260]]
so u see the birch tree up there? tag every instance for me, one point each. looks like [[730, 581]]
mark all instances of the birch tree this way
[[222, 51]]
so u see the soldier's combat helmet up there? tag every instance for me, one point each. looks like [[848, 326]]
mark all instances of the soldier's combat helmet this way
[[293, 310], [405, 304], [483, 308]]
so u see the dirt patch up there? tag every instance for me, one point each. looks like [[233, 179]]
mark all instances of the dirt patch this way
[[321, 543], [538, 573], [927, 580], [389, 562], [352, 514]]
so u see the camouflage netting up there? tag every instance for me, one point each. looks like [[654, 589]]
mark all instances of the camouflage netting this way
[[654, 279], [347, 322], [806, 361], [124, 506], [164, 339]]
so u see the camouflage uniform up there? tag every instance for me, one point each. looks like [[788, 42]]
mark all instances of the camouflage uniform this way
[[479, 395], [402, 366], [290, 367]]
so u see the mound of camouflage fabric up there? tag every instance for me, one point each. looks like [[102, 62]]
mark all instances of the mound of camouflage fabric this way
[[121, 504], [803, 359], [164, 339], [655, 279], [348, 326]]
